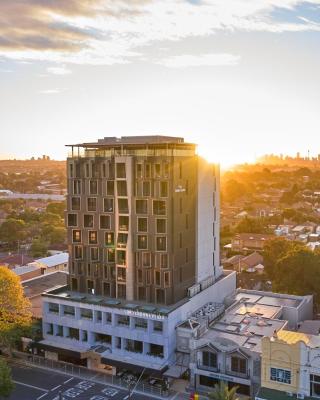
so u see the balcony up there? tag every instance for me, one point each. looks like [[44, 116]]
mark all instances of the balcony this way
[[208, 367], [243, 375]]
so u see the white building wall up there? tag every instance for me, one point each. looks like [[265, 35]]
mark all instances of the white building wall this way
[[208, 225]]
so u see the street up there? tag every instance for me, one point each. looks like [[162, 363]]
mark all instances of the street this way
[[32, 383]]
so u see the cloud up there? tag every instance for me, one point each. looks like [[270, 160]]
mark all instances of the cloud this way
[[111, 31], [51, 91], [59, 70], [188, 60]]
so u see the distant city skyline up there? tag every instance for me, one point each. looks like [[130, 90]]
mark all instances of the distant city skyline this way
[[240, 79]]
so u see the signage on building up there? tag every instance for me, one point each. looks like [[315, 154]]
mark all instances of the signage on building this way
[[141, 314]]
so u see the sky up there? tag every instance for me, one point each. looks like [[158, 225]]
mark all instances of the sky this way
[[239, 77]]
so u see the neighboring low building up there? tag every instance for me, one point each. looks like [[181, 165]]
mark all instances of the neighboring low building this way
[[33, 288], [290, 366], [26, 272], [230, 347], [250, 241], [15, 260], [57, 262], [245, 263]]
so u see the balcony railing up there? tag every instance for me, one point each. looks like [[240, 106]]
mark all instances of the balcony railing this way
[[208, 367], [244, 375]]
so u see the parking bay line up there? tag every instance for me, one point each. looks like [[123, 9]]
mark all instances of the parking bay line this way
[[68, 380], [55, 388], [31, 386]]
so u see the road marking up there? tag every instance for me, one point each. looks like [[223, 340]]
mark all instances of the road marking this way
[[40, 397], [55, 388], [67, 381], [125, 398], [30, 386]]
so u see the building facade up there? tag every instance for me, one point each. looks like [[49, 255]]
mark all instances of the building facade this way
[[143, 235]]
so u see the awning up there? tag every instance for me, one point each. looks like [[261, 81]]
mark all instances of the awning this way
[[175, 371]]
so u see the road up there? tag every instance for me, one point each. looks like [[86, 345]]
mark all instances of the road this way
[[32, 383]]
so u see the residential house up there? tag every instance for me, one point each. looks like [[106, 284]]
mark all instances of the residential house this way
[[250, 241]]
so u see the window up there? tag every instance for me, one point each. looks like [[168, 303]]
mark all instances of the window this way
[[239, 365], [159, 207], [123, 319], [166, 279], [146, 259], [166, 170], [88, 221], [93, 237], [109, 238], [142, 242], [68, 310], [122, 274], [53, 308], [163, 260], [76, 236], [75, 203], [148, 277], [121, 170], [92, 203], [122, 291], [164, 189], [157, 170], [123, 223], [142, 224], [315, 385], [161, 243], [160, 296], [111, 255], [141, 293], [209, 359], [90, 286], [141, 323], [72, 220], [110, 188], [104, 170], [146, 189], [161, 225], [187, 254], [280, 375], [76, 186], [87, 170], [105, 222], [86, 313], [122, 239], [180, 240], [139, 170], [141, 206], [108, 204], [123, 206], [122, 188], [94, 253], [121, 257], [71, 170], [147, 171], [93, 187], [157, 278], [78, 252], [140, 276], [106, 289]]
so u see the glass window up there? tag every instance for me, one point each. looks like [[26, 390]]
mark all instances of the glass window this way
[[142, 242], [76, 186], [92, 204], [93, 237], [161, 243], [108, 204], [123, 223], [86, 313], [157, 277], [76, 236], [163, 189], [139, 171], [146, 259], [111, 255], [167, 279], [122, 292], [121, 274], [75, 203], [122, 239], [121, 257], [88, 221], [141, 206], [239, 365], [166, 170], [142, 224], [93, 187], [157, 170], [209, 359], [110, 188], [280, 375], [109, 238], [105, 222], [94, 253], [72, 220], [78, 252], [123, 206], [147, 171], [122, 188], [121, 170], [161, 225], [146, 188], [159, 207]]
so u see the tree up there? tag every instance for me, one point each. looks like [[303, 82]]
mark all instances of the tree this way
[[15, 314], [222, 392], [39, 248], [56, 208], [12, 230], [252, 225], [6, 384], [274, 250]]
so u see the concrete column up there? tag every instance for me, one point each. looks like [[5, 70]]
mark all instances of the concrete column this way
[[61, 310], [77, 313], [91, 338], [146, 348], [114, 319], [123, 344], [55, 329], [150, 326], [131, 323], [104, 318]]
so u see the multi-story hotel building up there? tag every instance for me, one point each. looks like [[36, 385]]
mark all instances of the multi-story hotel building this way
[[143, 234]]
